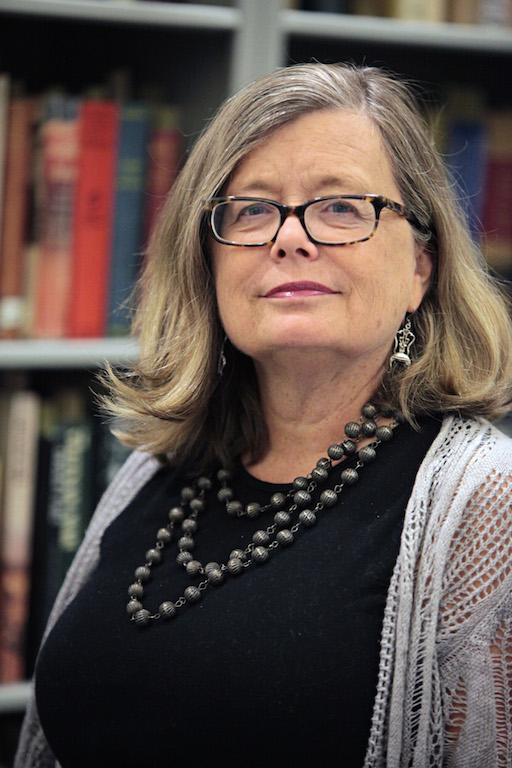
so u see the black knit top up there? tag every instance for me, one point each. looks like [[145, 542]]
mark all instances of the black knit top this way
[[276, 667]]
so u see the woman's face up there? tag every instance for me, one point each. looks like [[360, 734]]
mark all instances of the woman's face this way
[[350, 299]]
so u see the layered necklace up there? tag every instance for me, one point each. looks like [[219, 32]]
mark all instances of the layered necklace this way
[[296, 510]]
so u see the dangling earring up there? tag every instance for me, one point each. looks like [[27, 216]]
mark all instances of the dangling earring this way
[[221, 364], [404, 340]]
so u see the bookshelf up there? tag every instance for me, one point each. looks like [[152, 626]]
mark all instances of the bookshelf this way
[[199, 54]]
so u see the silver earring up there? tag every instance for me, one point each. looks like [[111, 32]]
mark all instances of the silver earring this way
[[404, 340], [222, 358]]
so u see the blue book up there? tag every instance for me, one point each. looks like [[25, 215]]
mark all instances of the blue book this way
[[467, 158], [135, 127]]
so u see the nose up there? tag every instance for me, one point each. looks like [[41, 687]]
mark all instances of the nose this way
[[292, 240]]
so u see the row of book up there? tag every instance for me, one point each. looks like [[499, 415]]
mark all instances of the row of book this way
[[497, 12], [55, 460], [81, 180]]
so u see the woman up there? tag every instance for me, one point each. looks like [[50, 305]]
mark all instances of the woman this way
[[313, 311]]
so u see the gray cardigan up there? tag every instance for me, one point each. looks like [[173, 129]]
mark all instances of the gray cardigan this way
[[444, 691]]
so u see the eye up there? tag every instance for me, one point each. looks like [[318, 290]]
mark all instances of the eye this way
[[254, 209]]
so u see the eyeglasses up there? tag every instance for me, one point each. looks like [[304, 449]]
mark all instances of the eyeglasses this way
[[331, 220]]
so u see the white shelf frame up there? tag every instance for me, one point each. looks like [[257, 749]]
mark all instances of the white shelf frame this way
[[67, 354], [14, 697]]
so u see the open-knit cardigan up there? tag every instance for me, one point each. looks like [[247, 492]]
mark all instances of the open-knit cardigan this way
[[444, 693]]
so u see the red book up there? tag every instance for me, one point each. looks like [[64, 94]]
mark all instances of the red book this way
[[165, 154], [56, 192], [497, 208], [18, 168], [93, 214]]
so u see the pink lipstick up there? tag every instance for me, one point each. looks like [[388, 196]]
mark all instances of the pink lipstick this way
[[300, 289]]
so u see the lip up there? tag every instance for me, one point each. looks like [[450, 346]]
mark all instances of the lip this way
[[302, 288]]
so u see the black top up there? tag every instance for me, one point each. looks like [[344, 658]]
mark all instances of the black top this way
[[276, 667]]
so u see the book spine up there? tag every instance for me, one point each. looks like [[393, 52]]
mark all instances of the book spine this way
[[18, 502], [129, 203], [4, 115], [59, 156], [165, 154], [92, 226], [15, 215], [497, 218]]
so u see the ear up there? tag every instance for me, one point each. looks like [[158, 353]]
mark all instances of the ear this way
[[422, 277]]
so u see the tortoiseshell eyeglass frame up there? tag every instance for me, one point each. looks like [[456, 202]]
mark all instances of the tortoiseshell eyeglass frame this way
[[378, 201]]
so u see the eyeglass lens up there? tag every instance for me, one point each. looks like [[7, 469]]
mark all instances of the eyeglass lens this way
[[335, 220]]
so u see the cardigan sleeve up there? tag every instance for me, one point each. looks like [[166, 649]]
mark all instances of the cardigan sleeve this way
[[475, 631]]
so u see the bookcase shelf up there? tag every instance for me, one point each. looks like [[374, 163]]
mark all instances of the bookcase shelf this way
[[199, 54], [66, 353]]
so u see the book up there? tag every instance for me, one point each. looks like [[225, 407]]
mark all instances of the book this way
[[93, 214], [495, 12], [466, 152], [135, 123], [20, 463], [419, 10], [497, 206], [4, 113], [463, 11], [15, 215], [164, 160], [55, 203]]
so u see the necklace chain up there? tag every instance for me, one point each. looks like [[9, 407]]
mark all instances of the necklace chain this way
[[294, 510]]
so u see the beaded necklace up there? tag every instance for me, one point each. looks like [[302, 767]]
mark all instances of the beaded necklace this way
[[296, 510]]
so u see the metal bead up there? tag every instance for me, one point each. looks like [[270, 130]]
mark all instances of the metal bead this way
[[352, 429], [300, 483], [223, 475], [137, 590], [187, 494], [168, 610], [259, 555], [277, 500], [224, 494], [349, 447], [176, 515], [323, 463], [328, 497], [285, 538], [215, 577], [235, 566], [192, 594], [335, 452], [349, 476], [184, 557], [386, 411], [193, 567], [253, 509], [197, 505], [186, 543], [261, 538], [319, 474], [142, 573], [400, 417], [384, 433], [367, 454], [368, 428], [234, 508], [141, 618], [302, 498], [204, 483], [369, 411], [133, 606], [282, 519], [189, 525], [307, 518], [164, 535], [153, 556], [237, 553], [211, 566]]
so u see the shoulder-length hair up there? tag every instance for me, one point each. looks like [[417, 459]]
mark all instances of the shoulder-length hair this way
[[173, 403]]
